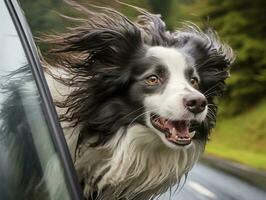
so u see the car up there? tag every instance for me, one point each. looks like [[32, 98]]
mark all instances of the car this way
[[35, 161]]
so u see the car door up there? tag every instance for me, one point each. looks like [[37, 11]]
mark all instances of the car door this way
[[34, 158]]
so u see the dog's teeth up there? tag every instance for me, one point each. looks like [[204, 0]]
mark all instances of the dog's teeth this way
[[174, 131], [192, 134]]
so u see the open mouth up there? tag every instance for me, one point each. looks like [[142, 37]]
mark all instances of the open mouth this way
[[176, 132]]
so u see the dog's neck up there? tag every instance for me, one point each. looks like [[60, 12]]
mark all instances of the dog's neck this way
[[132, 164]]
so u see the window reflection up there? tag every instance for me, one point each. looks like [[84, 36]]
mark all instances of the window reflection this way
[[29, 167]]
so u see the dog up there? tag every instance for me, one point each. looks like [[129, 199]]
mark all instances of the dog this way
[[137, 102]]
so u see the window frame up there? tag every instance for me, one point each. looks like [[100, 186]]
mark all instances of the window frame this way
[[47, 105]]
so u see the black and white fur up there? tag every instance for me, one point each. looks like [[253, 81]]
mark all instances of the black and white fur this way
[[100, 89]]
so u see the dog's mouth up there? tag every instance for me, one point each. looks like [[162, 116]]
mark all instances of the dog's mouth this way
[[176, 132]]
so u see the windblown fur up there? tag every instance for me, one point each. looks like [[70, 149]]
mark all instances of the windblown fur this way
[[115, 154]]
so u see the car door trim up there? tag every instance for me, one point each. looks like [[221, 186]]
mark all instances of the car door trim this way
[[47, 105]]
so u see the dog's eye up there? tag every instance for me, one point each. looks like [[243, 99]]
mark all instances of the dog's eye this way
[[194, 82], [152, 80]]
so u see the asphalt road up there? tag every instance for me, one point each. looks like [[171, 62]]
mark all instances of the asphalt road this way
[[205, 183]]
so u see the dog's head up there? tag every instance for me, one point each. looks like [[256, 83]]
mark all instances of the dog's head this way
[[128, 73]]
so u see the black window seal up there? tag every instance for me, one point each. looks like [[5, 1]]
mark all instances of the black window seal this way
[[47, 104]]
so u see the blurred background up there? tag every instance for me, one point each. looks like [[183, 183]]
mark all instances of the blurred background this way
[[240, 134]]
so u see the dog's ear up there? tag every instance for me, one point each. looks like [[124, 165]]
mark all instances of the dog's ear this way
[[214, 69], [107, 37], [108, 45], [212, 57]]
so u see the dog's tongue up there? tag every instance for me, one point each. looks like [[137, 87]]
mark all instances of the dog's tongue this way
[[178, 131]]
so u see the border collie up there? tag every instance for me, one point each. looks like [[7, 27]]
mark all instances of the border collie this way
[[136, 101]]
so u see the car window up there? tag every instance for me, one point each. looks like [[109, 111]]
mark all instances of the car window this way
[[30, 167]]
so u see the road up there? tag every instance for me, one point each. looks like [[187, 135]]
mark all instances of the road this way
[[205, 183]]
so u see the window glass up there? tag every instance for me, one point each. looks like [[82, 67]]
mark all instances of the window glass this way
[[29, 164]]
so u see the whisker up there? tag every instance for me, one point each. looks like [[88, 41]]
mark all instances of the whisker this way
[[210, 93], [141, 115], [211, 114], [205, 93], [211, 117], [133, 111]]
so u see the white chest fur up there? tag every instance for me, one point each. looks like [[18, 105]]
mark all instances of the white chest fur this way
[[133, 162]]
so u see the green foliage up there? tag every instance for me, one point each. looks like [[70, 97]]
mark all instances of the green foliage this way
[[163, 8], [42, 15], [242, 138]]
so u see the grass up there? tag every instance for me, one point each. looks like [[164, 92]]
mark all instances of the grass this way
[[242, 138]]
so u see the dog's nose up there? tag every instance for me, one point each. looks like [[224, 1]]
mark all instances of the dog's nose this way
[[195, 103]]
